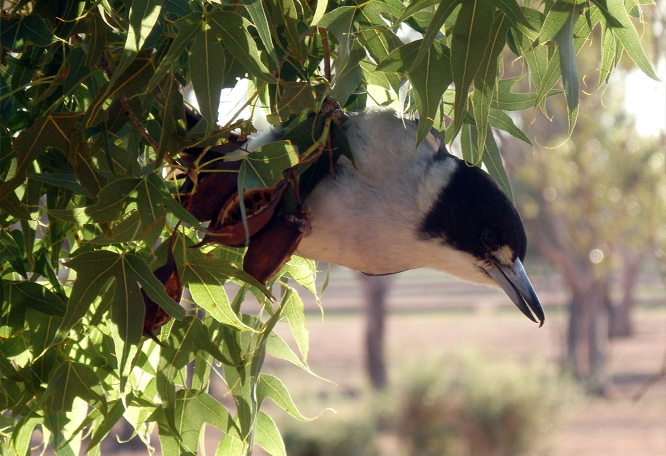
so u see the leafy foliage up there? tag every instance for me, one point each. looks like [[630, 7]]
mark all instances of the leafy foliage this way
[[92, 118]]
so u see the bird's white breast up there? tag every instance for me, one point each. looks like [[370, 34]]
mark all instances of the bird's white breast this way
[[367, 218]]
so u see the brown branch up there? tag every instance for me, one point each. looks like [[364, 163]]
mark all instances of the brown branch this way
[[126, 107]]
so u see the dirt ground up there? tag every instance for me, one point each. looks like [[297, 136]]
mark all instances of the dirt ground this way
[[431, 316]]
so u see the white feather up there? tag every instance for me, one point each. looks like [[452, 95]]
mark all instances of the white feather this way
[[367, 218]]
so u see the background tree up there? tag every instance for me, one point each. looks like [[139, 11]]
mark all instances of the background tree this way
[[593, 206], [92, 120]]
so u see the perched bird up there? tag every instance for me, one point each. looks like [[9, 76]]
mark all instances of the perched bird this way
[[398, 208]]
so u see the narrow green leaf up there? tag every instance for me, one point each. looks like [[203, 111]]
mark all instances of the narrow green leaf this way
[[430, 78], [268, 436], [628, 36], [205, 279], [471, 34], [143, 15], [501, 120], [294, 312], [444, 10], [565, 43], [319, 12], [188, 27], [11, 252], [240, 43], [256, 10], [558, 16], [69, 181], [486, 77], [272, 388], [493, 161], [206, 64]]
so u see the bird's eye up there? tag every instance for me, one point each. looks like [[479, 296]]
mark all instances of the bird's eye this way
[[489, 239]]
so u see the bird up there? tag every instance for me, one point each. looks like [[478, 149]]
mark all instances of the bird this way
[[399, 206]]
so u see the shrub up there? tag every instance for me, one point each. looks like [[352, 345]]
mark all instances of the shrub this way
[[473, 406]]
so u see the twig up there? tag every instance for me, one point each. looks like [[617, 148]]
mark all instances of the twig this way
[[327, 53], [128, 110]]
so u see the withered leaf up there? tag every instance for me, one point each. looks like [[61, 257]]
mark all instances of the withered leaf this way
[[155, 317], [273, 245], [260, 205]]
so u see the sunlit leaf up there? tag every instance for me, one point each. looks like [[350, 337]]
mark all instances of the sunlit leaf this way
[[72, 380], [268, 436], [272, 388]]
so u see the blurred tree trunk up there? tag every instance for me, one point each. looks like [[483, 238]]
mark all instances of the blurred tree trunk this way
[[619, 315], [375, 289], [587, 331]]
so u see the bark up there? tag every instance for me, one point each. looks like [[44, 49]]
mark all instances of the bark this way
[[375, 289]]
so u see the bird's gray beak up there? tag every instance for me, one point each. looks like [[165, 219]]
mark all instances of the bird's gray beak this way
[[515, 283]]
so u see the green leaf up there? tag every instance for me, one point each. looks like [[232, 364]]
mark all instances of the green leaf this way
[[116, 411], [69, 181], [35, 296], [53, 130], [285, 14], [188, 27], [11, 252], [114, 200], [506, 100], [240, 43], [444, 10], [347, 78], [256, 10], [231, 446], [73, 380], [94, 270], [486, 77], [501, 120], [493, 161], [628, 36], [294, 312], [430, 78], [268, 436], [303, 271], [295, 98], [565, 43], [205, 277], [17, 33], [143, 15], [207, 63], [193, 409], [558, 16], [263, 167], [471, 34], [272, 388]]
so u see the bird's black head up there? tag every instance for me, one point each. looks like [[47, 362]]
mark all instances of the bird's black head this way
[[473, 215]]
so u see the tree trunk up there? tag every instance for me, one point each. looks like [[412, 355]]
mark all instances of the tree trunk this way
[[587, 336], [620, 324], [375, 289]]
